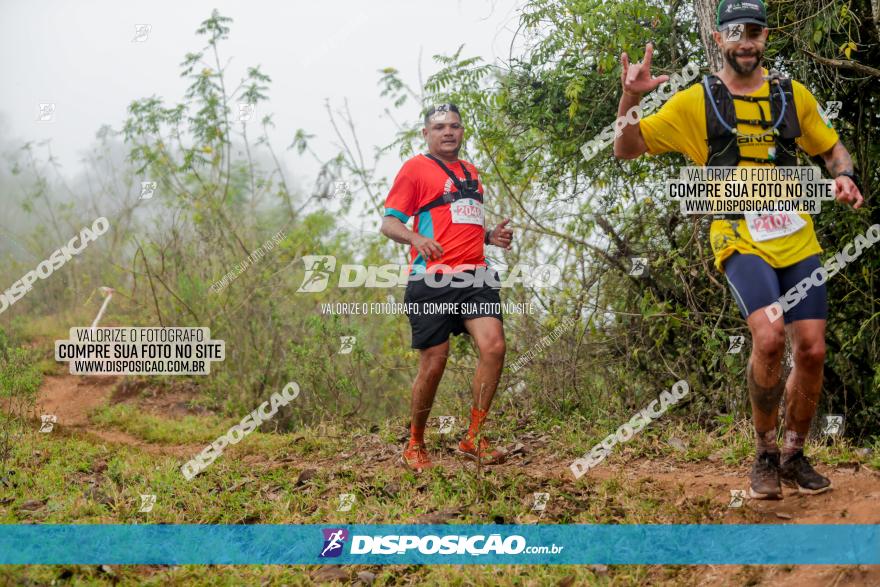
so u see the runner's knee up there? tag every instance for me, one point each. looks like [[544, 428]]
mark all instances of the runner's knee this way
[[433, 360], [769, 342], [493, 349], [810, 355]]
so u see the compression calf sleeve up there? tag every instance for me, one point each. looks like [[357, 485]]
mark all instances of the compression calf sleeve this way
[[792, 442], [765, 442], [765, 399], [416, 435], [478, 416]]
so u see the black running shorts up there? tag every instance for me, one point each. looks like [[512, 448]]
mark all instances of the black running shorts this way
[[437, 309]]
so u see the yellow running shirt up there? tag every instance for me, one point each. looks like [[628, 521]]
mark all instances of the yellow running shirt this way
[[680, 126]]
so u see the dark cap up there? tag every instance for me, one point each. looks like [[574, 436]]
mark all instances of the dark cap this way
[[741, 11]]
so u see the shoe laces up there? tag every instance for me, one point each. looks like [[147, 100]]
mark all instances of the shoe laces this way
[[799, 461], [420, 452]]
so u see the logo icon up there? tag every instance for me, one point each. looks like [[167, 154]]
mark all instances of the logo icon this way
[[530, 35], [544, 276], [541, 500], [440, 114], [734, 32], [47, 112], [246, 111], [833, 425], [141, 32], [346, 344], [48, 422], [346, 500], [147, 189], [147, 503], [340, 189], [639, 265], [318, 271], [736, 344], [446, 424], [334, 539], [737, 498], [830, 111]]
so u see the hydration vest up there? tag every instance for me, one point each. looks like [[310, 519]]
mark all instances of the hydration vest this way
[[721, 123], [466, 190]]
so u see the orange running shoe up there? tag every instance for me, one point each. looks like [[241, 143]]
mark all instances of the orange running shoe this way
[[487, 456], [415, 458]]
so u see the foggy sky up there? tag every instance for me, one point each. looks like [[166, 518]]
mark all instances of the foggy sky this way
[[83, 57]]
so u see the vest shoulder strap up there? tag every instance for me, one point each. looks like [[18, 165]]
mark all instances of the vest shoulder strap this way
[[790, 127], [455, 181], [448, 199], [720, 109], [460, 189]]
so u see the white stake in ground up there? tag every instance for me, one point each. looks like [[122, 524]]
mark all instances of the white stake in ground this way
[[107, 292]]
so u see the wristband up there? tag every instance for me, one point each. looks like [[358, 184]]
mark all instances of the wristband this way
[[639, 96], [486, 238]]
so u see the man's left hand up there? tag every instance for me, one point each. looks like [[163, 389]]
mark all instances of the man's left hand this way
[[501, 236]]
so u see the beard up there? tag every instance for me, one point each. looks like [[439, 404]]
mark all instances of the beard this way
[[730, 58]]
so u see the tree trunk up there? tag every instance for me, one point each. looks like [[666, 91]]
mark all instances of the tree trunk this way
[[705, 10], [875, 9]]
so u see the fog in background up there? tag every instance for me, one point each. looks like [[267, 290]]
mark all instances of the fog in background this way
[[87, 59]]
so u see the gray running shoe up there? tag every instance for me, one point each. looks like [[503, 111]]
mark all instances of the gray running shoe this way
[[764, 477], [797, 472]]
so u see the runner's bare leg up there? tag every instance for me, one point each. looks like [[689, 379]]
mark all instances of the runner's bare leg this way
[[804, 382], [432, 363], [488, 335], [764, 376]]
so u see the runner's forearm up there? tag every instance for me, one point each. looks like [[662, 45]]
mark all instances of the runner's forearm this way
[[630, 143], [396, 230], [837, 160]]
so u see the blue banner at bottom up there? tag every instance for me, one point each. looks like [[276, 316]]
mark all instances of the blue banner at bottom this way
[[440, 544]]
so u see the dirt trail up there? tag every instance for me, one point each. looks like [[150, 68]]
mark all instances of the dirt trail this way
[[70, 398], [855, 498]]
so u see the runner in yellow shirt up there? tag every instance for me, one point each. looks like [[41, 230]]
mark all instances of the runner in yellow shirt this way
[[758, 264]]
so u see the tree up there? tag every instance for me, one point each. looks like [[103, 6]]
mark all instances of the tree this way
[[705, 11]]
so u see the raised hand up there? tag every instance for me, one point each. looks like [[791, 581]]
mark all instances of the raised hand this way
[[636, 78]]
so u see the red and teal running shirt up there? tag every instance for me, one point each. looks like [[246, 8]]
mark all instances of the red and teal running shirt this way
[[458, 227]]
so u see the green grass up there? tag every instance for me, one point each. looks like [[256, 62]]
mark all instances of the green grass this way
[[151, 428], [68, 477], [86, 482], [20, 373], [93, 482]]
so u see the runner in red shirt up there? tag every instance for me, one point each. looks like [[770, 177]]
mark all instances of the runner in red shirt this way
[[451, 288]]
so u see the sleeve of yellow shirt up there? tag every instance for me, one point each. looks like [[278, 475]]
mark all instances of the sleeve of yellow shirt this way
[[816, 136], [679, 126]]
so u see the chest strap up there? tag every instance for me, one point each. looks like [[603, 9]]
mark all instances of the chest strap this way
[[468, 189]]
